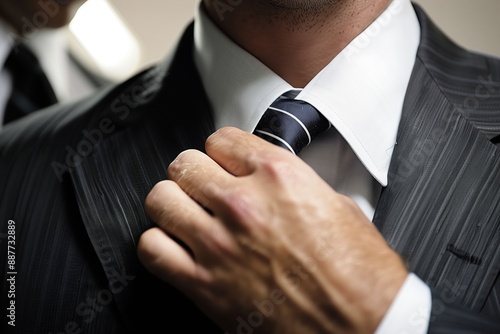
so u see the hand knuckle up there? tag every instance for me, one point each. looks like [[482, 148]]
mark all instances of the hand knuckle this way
[[278, 169]]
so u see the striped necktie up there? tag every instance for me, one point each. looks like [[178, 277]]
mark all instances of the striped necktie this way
[[291, 123]]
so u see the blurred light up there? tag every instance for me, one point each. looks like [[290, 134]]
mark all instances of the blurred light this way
[[105, 39]]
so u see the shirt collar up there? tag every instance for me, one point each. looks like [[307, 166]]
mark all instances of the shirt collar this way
[[361, 91], [51, 48]]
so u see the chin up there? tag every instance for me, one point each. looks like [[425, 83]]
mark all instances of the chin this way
[[64, 14]]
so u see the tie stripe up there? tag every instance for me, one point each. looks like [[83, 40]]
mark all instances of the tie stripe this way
[[291, 123], [297, 120], [275, 137]]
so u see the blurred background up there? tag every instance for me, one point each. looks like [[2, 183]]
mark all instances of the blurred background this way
[[117, 38]]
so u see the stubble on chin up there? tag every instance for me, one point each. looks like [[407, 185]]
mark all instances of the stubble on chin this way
[[296, 15]]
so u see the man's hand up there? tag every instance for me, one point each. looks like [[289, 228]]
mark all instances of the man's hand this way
[[259, 241]]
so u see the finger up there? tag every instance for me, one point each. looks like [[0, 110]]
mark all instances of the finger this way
[[239, 152], [200, 177], [178, 214], [165, 258]]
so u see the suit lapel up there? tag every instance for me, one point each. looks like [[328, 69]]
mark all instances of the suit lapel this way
[[430, 207], [112, 183], [442, 199]]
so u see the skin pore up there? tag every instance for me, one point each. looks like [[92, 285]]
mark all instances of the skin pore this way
[[308, 33]]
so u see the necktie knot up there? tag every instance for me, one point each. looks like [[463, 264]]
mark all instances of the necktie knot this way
[[291, 123]]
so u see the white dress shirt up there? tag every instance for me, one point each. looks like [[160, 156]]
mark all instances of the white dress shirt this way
[[361, 92], [51, 47]]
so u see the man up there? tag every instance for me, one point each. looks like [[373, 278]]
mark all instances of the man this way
[[249, 227], [36, 67], [74, 181]]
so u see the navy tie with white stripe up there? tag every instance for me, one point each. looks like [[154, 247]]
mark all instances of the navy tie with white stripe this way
[[291, 123]]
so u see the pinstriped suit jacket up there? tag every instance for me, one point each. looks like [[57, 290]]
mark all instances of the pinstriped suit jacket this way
[[73, 179]]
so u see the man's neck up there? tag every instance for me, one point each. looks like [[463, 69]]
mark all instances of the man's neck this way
[[295, 39]]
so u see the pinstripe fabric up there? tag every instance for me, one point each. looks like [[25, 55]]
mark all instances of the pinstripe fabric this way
[[77, 234], [458, 320], [444, 186], [442, 199], [77, 228]]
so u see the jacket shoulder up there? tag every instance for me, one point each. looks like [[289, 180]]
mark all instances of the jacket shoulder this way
[[46, 132], [453, 66], [469, 80]]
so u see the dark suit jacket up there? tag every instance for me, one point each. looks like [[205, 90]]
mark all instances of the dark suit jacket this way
[[73, 180]]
